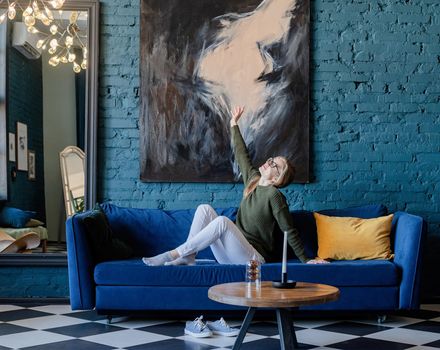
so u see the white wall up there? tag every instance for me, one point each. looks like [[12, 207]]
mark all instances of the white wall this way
[[59, 127]]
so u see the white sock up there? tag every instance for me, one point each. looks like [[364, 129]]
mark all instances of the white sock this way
[[184, 260], [158, 260]]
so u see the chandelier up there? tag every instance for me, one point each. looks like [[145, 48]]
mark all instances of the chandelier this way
[[63, 39]]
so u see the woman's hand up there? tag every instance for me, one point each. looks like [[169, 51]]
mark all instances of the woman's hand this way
[[236, 114], [317, 261]]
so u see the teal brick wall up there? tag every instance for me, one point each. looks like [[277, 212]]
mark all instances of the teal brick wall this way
[[375, 126], [33, 282]]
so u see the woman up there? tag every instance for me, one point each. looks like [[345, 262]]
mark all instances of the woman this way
[[252, 235]]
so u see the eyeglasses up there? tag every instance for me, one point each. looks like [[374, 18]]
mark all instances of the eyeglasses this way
[[273, 164]]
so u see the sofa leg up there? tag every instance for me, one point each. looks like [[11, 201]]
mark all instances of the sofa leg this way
[[381, 318], [109, 319]]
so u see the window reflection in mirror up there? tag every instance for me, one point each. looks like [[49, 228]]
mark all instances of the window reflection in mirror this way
[[51, 103]]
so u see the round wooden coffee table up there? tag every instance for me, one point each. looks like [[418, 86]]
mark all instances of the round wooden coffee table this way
[[282, 300]]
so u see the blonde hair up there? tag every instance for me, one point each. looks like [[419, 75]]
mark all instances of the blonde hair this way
[[286, 176]]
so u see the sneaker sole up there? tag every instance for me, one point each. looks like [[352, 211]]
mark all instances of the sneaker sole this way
[[198, 335], [226, 334]]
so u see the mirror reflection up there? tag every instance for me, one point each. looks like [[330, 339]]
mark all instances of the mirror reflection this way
[[72, 172], [42, 126]]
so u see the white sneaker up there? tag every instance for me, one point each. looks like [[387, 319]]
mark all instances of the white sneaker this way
[[220, 327], [197, 328]]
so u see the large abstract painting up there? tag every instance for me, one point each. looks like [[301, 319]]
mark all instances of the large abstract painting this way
[[199, 59]]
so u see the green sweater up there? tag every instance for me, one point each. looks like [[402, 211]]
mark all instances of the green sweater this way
[[260, 213]]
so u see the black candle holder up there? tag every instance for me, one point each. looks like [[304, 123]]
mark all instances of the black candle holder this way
[[284, 283]]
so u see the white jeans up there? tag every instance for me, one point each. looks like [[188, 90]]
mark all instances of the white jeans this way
[[226, 240]]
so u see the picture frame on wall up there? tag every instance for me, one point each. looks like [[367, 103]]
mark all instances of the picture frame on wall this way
[[31, 165], [22, 147], [11, 147]]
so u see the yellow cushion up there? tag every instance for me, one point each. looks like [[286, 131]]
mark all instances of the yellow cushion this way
[[346, 238]]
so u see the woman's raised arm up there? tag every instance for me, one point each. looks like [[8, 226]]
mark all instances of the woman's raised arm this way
[[239, 147]]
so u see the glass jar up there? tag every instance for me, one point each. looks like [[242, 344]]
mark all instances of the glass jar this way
[[253, 272]]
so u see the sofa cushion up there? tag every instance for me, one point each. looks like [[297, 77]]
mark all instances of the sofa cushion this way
[[14, 217], [353, 238], [306, 225], [341, 273], [154, 231], [102, 241]]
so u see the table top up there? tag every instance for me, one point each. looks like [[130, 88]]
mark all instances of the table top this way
[[245, 294]]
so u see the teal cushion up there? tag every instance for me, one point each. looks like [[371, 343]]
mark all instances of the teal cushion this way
[[14, 217], [104, 245]]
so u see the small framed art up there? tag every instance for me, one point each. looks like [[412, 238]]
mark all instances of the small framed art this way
[[22, 147], [31, 165], [11, 146]]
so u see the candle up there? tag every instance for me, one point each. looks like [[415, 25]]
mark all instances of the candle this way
[[284, 266]]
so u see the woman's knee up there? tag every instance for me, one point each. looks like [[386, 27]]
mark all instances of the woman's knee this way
[[223, 223], [205, 208]]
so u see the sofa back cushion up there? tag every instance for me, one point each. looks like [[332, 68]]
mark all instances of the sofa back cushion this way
[[153, 231]]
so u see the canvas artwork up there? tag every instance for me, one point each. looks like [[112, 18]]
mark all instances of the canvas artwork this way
[[200, 59]]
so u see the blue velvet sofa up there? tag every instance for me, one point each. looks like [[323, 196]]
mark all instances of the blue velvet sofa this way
[[130, 286]]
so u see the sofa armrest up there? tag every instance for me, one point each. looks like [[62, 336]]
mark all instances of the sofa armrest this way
[[80, 265], [410, 232]]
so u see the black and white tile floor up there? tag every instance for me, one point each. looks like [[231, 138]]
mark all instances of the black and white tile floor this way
[[56, 327]]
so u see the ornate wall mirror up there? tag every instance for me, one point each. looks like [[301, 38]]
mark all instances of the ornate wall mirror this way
[[47, 106]]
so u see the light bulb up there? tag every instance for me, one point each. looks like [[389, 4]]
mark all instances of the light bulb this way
[[32, 30], [11, 12], [46, 21], [28, 11], [49, 13], [76, 67], [54, 61], [2, 18], [69, 41], [44, 47], [53, 29], [84, 64], [29, 21], [71, 57], [36, 9], [40, 43], [52, 50], [57, 4], [64, 59], [53, 43], [85, 52], [74, 17]]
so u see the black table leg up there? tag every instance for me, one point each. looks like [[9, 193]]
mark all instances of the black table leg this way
[[285, 328], [244, 328]]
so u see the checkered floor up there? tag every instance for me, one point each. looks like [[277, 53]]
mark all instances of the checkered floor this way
[[57, 327]]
